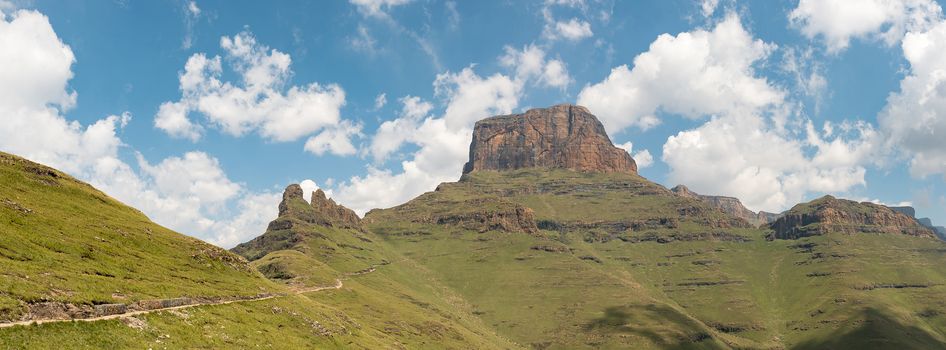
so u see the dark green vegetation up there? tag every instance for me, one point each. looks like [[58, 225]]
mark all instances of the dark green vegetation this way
[[532, 258]]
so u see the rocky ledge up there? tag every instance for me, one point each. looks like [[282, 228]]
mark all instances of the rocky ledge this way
[[832, 215], [562, 136], [729, 205]]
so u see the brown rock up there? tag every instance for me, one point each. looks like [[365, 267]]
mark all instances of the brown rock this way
[[832, 215], [292, 193], [562, 136], [729, 205], [334, 214]]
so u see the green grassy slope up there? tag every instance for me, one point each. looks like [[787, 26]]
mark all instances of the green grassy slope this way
[[383, 290], [63, 240], [620, 262]]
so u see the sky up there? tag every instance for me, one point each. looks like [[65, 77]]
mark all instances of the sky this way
[[200, 112]]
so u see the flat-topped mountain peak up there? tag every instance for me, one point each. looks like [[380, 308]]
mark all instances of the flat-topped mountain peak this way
[[835, 215], [562, 136]]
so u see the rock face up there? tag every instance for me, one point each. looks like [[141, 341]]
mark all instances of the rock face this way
[[335, 214], [832, 215], [562, 136], [926, 222], [729, 205], [295, 215]]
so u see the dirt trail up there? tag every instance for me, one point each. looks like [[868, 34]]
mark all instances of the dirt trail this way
[[338, 285]]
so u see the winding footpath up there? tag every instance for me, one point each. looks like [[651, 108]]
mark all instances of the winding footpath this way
[[338, 285]]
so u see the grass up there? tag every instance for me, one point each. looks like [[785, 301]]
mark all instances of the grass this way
[[65, 241], [586, 286], [619, 262]]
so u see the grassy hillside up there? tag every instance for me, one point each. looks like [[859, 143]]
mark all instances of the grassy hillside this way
[[383, 290], [63, 240], [621, 262]]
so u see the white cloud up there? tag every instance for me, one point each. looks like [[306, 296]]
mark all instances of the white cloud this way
[[377, 8], [693, 74], [336, 140], [443, 141], [191, 15], [838, 21], [768, 169], [708, 7], [260, 102], [190, 194], [572, 30], [36, 64], [914, 119], [364, 42], [392, 134], [380, 101], [643, 159], [530, 63], [193, 9]]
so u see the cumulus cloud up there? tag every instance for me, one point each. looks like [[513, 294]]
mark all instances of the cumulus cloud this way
[[443, 141], [392, 134], [335, 140], [530, 63], [748, 148], [190, 194], [745, 157], [258, 103], [693, 74], [573, 29], [914, 119], [838, 21]]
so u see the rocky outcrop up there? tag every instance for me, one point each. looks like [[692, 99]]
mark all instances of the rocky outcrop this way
[[940, 231], [334, 214], [562, 136], [729, 205], [296, 220], [832, 215]]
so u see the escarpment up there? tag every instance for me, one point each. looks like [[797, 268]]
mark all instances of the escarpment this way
[[562, 136]]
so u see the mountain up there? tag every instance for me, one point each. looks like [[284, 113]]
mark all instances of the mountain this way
[[562, 136], [828, 214], [618, 261], [926, 222], [66, 247], [550, 239], [68, 251], [729, 205]]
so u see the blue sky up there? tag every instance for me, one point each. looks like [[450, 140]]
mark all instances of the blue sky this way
[[200, 112]]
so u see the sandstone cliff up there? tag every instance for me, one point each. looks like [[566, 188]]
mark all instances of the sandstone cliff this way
[[832, 215], [729, 205], [562, 136]]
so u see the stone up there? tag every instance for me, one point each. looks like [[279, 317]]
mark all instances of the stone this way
[[832, 215], [333, 213], [729, 205], [562, 136]]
